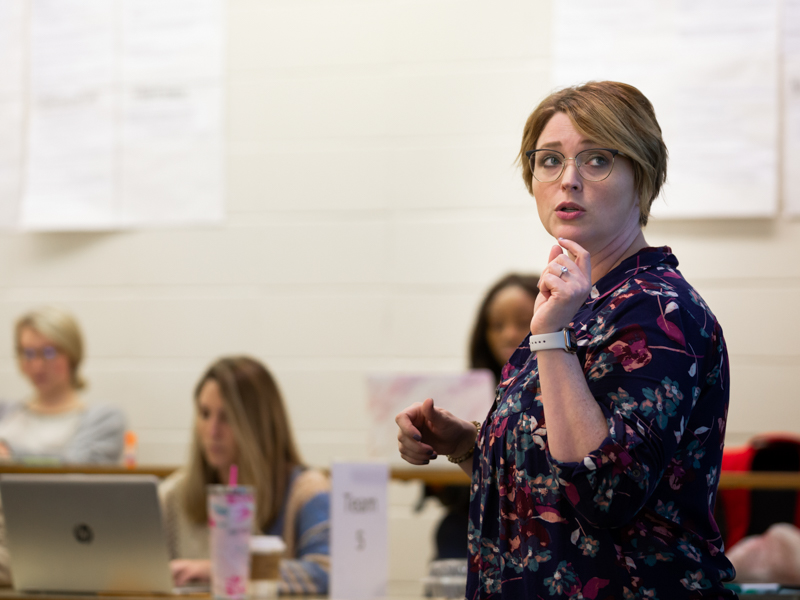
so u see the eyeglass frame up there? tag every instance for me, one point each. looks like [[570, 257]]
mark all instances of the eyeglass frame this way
[[614, 154], [47, 353]]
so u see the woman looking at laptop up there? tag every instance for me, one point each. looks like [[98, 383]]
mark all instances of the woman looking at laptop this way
[[55, 423], [240, 419]]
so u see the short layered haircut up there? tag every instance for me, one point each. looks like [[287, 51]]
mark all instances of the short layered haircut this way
[[614, 115], [61, 328]]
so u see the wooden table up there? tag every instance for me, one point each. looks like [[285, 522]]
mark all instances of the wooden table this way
[[429, 475], [396, 591]]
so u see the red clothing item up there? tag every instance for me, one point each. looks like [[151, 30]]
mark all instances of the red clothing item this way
[[737, 505]]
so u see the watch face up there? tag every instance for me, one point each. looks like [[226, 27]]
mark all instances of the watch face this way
[[571, 340]]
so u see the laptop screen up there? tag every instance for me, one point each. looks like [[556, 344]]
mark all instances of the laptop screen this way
[[85, 533]]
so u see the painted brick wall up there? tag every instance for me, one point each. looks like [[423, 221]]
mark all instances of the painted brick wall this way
[[372, 198]]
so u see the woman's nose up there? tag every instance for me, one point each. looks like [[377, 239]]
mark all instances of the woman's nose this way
[[37, 363], [570, 178]]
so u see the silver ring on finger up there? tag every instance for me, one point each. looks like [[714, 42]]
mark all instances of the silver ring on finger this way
[[563, 270]]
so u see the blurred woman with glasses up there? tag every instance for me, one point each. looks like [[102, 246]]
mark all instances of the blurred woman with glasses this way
[[595, 472], [54, 423]]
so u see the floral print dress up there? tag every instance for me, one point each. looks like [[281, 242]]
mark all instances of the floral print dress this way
[[633, 519]]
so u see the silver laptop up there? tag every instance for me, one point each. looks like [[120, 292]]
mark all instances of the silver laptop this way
[[85, 533]]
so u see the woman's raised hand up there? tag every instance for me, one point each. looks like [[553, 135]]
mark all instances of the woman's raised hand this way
[[427, 431], [563, 287]]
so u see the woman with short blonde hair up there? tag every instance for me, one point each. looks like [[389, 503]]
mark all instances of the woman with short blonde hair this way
[[61, 328], [240, 419], [55, 423]]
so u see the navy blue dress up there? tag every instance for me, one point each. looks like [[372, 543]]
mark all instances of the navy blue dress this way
[[633, 519]]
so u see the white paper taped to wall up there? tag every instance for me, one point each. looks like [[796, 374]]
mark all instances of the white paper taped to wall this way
[[791, 107], [710, 70], [12, 53], [126, 114], [172, 111]]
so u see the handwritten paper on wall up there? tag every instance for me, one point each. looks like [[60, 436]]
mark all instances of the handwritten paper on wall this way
[[126, 113], [711, 71], [12, 44], [791, 106]]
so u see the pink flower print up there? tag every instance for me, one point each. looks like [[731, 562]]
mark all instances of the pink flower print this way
[[234, 586], [241, 513], [673, 331], [631, 350]]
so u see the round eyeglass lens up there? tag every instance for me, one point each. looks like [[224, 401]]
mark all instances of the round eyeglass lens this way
[[593, 164]]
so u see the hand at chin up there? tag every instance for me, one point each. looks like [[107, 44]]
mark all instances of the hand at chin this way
[[563, 287]]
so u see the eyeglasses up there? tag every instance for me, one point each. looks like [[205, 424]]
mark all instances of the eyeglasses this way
[[594, 164], [47, 353]]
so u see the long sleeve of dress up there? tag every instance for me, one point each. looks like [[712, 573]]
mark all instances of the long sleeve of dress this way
[[671, 356]]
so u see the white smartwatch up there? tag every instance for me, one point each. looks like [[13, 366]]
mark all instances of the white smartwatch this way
[[560, 340]]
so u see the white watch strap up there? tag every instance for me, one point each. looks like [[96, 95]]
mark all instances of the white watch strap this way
[[548, 341]]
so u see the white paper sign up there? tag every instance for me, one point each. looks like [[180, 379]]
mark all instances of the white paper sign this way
[[791, 107], [359, 531], [126, 118], [12, 77], [710, 69]]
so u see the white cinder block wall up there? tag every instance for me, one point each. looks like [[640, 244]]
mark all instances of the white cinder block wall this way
[[371, 199]]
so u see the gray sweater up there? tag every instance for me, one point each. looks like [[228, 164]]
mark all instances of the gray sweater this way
[[98, 437]]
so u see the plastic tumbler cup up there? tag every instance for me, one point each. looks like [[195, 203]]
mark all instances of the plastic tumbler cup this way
[[230, 521]]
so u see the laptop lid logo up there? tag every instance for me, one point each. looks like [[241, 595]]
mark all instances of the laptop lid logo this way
[[83, 533]]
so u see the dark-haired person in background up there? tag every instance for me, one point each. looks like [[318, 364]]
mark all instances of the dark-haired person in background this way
[[503, 321]]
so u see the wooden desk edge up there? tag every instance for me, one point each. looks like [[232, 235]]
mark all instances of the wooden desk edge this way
[[429, 476], [158, 471]]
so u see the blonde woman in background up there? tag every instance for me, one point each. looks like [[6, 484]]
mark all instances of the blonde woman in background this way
[[240, 419], [55, 423]]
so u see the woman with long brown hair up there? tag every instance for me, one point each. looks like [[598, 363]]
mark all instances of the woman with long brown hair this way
[[240, 419]]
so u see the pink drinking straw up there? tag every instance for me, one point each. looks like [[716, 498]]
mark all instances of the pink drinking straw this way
[[233, 474]]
